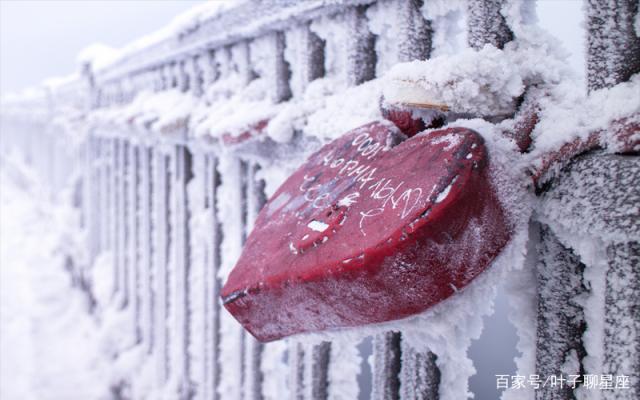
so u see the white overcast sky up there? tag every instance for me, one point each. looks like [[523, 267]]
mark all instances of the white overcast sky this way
[[41, 39]]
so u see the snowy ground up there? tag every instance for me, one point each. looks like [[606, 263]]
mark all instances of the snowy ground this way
[[47, 337]]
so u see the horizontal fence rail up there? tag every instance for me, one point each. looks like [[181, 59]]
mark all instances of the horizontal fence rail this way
[[169, 209]]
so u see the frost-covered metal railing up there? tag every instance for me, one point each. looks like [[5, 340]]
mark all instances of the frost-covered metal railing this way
[[166, 209]]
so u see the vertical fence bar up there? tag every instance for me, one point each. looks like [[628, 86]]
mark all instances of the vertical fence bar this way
[[180, 274], [93, 197], [106, 194], [115, 214], [100, 193], [486, 24], [222, 59], [124, 262], [309, 58], [232, 212], [161, 244], [132, 236], [212, 280], [182, 78], [361, 49], [252, 371], [208, 67], [622, 320], [419, 375], [145, 247], [241, 57], [282, 71], [297, 370], [613, 47], [97, 193], [415, 30], [203, 322], [320, 360], [198, 263], [387, 355], [560, 318], [194, 71], [245, 382], [255, 199]]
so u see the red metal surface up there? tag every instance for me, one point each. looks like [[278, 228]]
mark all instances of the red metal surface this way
[[404, 120], [369, 229], [622, 137], [254, 130]]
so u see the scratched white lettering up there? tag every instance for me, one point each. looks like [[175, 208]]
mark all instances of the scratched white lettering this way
[[406, 195], [359, 171], [322, 201], [349, 200], [327, 159], [307, 181], [360, 138], [348, 166], [337, 162], [368, 214], [365, 178], [308, 194]]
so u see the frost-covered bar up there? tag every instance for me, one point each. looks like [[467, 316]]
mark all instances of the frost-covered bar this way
[[170, 147]]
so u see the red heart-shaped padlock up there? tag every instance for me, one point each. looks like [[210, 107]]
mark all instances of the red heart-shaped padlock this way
[[370, 229]]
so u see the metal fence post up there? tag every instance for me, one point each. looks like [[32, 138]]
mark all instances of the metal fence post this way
[[560, 318], [212, 280], [486, 24], [613, 48], [416, 32], [593, 197], [361, 49], [386, 366], [183, 173], [622, 320], [145, 247], [160, 249], [133, 226], [255, 199]]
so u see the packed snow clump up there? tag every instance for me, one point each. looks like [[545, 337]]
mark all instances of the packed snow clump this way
[[566, 114], [98, 55], [485, 82]]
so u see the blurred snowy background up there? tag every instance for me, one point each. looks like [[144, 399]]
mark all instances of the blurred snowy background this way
[[47, 341]]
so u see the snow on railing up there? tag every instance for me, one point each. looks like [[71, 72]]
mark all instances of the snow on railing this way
[[181, 139]]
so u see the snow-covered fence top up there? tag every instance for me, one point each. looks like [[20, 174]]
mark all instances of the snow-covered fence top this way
[[184, 134], [214, 26]]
